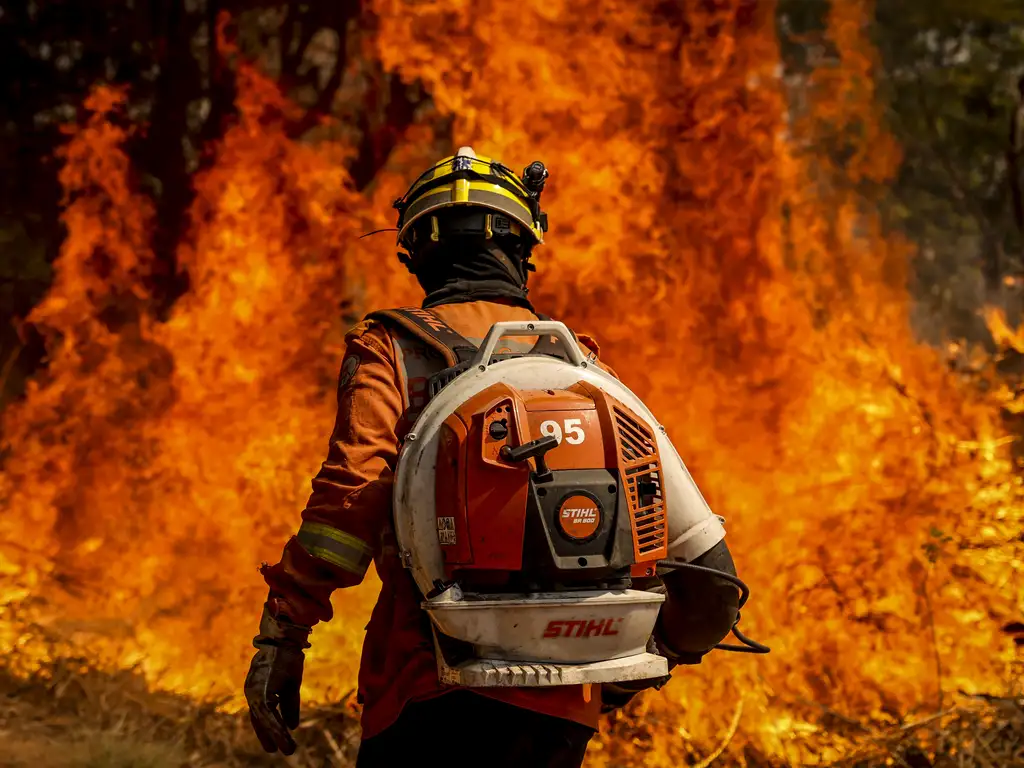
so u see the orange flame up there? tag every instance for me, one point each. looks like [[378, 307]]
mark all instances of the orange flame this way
[[734, 276]]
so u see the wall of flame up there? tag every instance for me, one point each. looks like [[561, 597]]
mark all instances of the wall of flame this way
[[731, 273]]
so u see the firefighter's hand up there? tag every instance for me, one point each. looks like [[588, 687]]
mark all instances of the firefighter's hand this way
[[273, 683], [272, 690], [617, 695]]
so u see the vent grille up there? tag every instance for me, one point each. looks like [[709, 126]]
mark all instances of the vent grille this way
[[640, 465]]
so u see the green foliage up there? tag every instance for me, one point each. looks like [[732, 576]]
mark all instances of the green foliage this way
[[24, 276], [949, 82], [23, 265]]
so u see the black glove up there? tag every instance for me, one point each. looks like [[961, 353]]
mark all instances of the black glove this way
[[274, 678], [616, 695], [619, 694]]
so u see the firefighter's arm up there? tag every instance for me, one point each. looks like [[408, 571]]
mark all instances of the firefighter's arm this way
[[700, 609], [347, 511], [699, 612]]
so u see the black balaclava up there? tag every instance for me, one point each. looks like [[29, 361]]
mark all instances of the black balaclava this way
[[471, 268]]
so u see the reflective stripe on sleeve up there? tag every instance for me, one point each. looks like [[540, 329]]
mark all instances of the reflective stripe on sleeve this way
[[335, 547]]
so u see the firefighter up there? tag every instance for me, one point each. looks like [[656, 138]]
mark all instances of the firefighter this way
[[469, 227]]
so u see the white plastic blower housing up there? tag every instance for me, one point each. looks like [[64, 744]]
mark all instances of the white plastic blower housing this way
[[534, 639]]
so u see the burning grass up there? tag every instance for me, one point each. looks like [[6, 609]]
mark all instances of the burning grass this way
[[984, 731], [70, 715]]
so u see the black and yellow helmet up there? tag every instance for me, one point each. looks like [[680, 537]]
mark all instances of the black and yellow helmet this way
[[496, 201]]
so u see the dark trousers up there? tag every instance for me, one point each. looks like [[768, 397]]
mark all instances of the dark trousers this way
[[462, 729]]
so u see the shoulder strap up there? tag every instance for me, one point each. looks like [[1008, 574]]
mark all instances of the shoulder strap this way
[[431, 330], [445, 340]]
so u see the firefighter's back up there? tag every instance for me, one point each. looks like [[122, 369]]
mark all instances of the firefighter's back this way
[[398, 665]]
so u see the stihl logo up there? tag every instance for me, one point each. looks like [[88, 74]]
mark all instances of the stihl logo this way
[[580, 514], [579, 517], [582, 628]]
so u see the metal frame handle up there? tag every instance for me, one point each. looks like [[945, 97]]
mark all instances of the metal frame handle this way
[[529, 328]]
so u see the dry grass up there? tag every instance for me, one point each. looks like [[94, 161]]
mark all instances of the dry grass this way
[[70, 716], [984, 732]]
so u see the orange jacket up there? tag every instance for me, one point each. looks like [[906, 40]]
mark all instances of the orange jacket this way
[[347, 521]]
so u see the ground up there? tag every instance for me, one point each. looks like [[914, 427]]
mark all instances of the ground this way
[[67, 718], [72, 717]]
